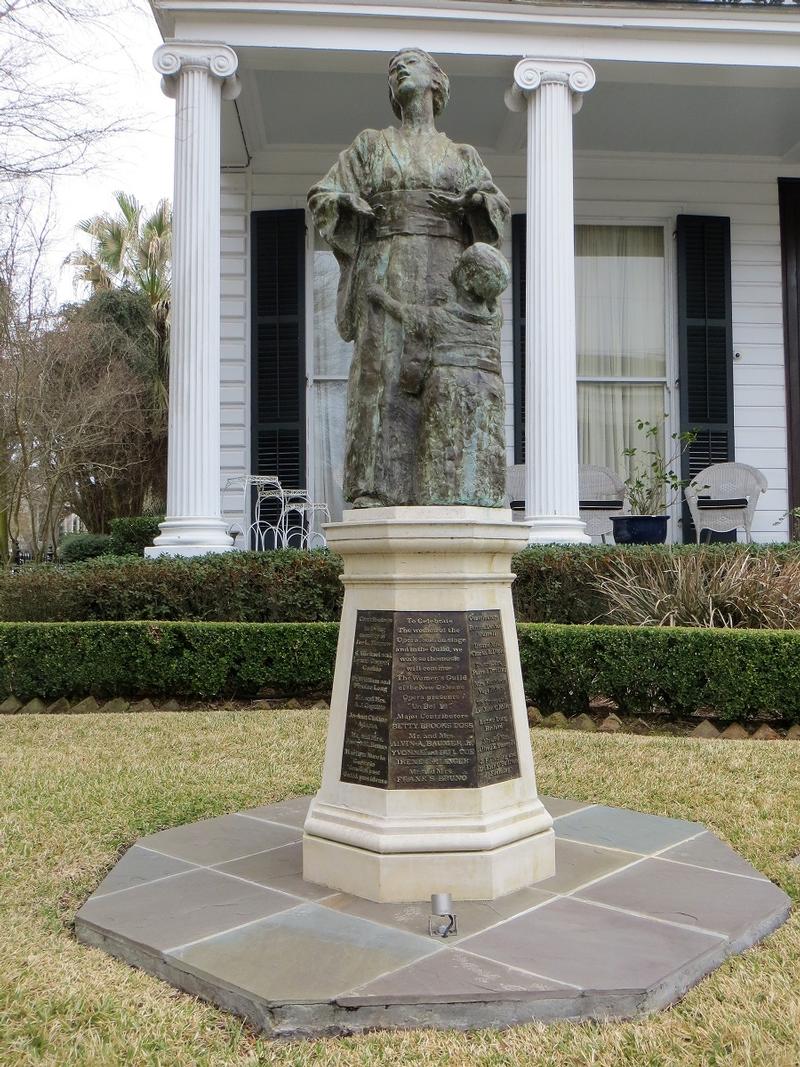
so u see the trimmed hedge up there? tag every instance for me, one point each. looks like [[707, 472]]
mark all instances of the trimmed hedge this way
[[285, 586], [554, 584], [168, 659], [733, 673]]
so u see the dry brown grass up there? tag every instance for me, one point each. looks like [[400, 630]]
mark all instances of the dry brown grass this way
[[75, 791]]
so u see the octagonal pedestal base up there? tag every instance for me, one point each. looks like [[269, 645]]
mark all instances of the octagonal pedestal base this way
[[641, 907]]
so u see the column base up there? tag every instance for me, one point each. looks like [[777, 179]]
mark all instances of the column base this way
[[557, 529], [408, 876], [190, 537]]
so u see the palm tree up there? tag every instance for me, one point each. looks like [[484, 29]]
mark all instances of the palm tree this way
[[131, 250]]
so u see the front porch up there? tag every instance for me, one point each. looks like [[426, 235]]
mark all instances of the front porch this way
[[678, 125]]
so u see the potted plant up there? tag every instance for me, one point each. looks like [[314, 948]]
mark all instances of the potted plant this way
[[651, 486]]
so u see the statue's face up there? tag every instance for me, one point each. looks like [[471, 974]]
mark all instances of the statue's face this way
[[409, 74]]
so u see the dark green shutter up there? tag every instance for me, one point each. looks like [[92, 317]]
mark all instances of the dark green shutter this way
[[705, 339], [789, 202], [518, 223], [278, 383]]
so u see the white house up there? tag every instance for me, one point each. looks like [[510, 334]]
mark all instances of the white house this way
[[679, 174]]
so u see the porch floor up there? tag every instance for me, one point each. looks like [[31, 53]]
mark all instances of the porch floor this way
[[640, 909]]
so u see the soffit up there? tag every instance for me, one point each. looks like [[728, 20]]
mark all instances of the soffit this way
[[330, 107]]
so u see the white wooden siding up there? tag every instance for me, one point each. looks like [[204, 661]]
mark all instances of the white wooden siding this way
[[607, 188], [234, 335]]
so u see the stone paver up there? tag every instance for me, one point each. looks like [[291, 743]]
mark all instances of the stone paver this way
[[171, 912], [629, 830], [591, 947], [558, 806], [708, 851], [709, 900], [640, 908], [138, 866], [473, 915], [309, 953], [578, 863], [227, 837], [447, 975], [292, 812], [279, 868]]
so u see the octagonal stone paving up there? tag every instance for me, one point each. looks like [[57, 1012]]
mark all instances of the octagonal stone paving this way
[[640, 908]]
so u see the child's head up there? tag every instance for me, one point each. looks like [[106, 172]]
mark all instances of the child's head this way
[[483, 272]]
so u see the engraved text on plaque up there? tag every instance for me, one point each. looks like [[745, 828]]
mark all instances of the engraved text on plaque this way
[[429, 705]]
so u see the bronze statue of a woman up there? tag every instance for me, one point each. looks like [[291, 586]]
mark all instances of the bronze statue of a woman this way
[[398, 209]]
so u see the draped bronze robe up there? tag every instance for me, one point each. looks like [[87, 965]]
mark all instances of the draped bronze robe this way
[[410, 250]]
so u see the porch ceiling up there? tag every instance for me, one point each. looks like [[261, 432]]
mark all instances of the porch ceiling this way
[[633, 108]]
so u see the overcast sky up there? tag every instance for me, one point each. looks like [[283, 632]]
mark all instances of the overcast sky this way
[[116, 68]]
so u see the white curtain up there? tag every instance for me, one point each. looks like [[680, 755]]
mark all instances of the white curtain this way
[[331, 364], [607, 415], [619, 280]]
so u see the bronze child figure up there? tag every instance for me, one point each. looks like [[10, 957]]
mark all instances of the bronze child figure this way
[[451, 357]]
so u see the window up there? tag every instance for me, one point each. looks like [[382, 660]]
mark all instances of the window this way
[[621, 339]]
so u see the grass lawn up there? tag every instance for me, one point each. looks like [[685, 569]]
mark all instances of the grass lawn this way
[[75, 791]]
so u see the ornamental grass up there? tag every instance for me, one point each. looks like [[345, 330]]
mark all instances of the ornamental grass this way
[[733, 590]]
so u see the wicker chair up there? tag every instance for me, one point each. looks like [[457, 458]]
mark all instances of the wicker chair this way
[[723, 497], [601, 496]]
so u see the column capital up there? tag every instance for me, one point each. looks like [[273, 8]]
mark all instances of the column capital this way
[[529, 74], [218, 59]]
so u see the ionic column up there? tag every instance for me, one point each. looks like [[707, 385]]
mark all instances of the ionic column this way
[[548, 90], [197, 76]]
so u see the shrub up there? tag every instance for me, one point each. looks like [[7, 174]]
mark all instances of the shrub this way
[[757, 591], [735, 673], [285, 586], [80, 546], [732, 673], [130, 537], [189, 660], [554, 584]]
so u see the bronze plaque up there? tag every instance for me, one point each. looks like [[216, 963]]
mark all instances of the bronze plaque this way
[[495, 740], [365, 755], [429, 705]]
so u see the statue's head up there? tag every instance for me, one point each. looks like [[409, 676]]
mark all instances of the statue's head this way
[[482, 271], [413, 70]]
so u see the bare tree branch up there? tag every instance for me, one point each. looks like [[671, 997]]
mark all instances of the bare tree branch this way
[[47, 122]]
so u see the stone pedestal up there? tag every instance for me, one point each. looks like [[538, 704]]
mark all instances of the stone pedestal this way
[[428, 784]]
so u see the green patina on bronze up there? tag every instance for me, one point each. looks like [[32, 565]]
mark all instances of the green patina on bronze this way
[[414, 221]]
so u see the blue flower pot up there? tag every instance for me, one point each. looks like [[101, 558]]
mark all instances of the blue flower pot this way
[[639, 529]]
